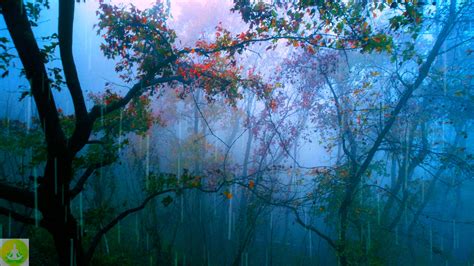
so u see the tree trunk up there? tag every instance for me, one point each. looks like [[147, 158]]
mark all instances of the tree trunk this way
[[54, 204]]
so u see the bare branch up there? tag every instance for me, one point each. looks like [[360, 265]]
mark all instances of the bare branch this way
[[17, 216], [96, 239]]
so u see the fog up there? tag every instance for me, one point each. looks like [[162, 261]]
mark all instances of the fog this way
[[209, 132]]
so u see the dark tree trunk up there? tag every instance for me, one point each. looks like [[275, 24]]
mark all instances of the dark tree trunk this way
[[54, 204]]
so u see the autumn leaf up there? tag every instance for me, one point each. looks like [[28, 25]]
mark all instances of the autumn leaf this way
[[228, 195], [375, 73], [251, 184], [273, 105]]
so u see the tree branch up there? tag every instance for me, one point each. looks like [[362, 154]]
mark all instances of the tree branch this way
[[85, 176], [422, 73], [17, 216], [17, 195], [314, 229], [65, 29], [96, 239], [136, 90], [83, 179]]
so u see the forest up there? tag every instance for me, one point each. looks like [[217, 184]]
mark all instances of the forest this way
[[237, 132]]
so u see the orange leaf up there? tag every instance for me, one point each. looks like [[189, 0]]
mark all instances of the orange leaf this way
[[228, 194], [251, 184], [273, 105]]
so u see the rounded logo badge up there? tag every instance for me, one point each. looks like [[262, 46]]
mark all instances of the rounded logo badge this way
[[14, 252]]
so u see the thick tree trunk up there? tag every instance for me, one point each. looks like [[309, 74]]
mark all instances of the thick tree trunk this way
[[54, 204], [68, 242]]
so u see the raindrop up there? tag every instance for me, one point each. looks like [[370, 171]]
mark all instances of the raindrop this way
[[422, 190], [120, 131], [56, 176], [147, 162], [271, 220], [81, 215], [407, 160], [266, 258], [178, 175], [310, 239], [118, 233], [28, 114], [229, 231], [72, 252], [182, 207], [147, 242], [405, 213], [208, 259], [396, 235], [106, 242], [35, 178], [137, 233], [431, 243], [378, 208], [9, 225], [215, 204], [368, 237], [454, 234], [442, 242]]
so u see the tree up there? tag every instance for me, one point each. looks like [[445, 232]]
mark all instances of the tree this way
[[362, 136], [149, 58], [145, 46]]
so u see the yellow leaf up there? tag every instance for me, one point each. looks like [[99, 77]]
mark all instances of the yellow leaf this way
[[374, 73]]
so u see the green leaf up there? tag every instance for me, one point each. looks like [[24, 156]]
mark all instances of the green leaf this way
[[167, 201]]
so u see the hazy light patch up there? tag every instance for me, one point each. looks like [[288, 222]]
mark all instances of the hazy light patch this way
[[191, 19]]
